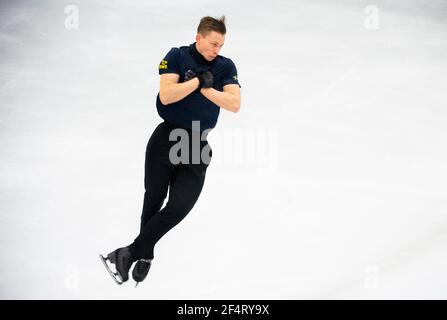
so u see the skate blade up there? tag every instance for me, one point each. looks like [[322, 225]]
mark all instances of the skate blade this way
[[112, 274]]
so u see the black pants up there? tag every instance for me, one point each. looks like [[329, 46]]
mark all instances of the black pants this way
[[185, 182]]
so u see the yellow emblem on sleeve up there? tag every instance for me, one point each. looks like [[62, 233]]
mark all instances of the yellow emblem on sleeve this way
[[163, 64]]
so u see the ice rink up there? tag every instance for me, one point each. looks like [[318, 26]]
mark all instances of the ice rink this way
[[330, 183]]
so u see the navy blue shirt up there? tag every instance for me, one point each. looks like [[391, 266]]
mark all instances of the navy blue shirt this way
[[195, 106]]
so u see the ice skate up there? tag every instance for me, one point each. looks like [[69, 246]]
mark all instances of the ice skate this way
[[141, 270], [122, 259], [115, 275]]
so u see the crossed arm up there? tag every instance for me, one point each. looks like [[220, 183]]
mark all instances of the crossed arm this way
[[229, 99], [171, 91]]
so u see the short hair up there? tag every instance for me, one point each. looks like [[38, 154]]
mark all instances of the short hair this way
[[208, 24]]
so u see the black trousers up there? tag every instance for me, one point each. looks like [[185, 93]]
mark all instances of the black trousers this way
[[184, 180]]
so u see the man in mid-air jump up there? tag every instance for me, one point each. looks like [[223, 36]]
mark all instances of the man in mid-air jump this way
[[195, 83]]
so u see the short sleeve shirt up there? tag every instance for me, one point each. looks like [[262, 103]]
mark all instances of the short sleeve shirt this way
[[195, 106]]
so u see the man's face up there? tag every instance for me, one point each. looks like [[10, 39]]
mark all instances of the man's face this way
[[210, 45]]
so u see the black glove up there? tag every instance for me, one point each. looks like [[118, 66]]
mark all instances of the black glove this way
[[206, 79]]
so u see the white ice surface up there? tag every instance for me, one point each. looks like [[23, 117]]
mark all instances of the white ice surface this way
[[343, 194]]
